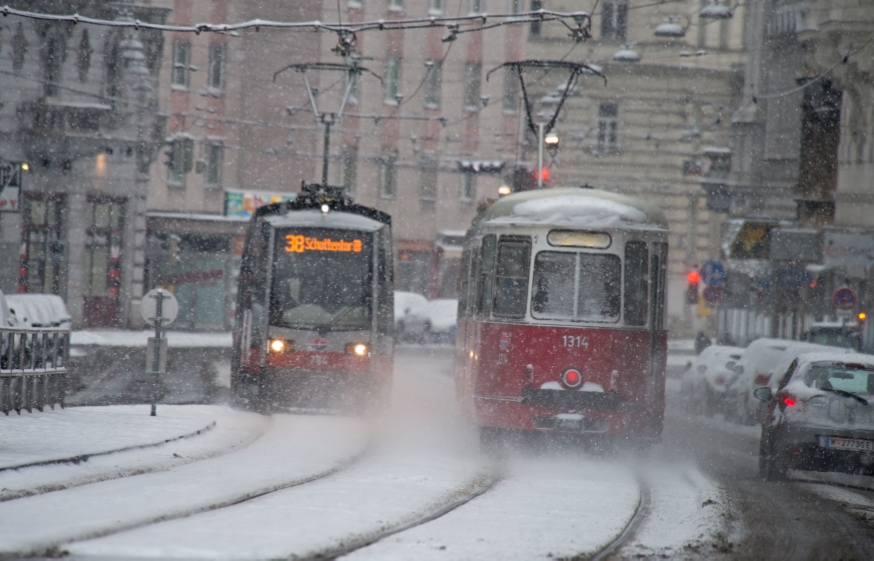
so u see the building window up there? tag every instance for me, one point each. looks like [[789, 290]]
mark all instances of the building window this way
[[468, 186], [43, 229], [433, 83], [515, 6], [511, 90], [475, 6], [472, 83], [53, 57], [181, 160], [436, 6], [350, 168], [216, 65], [428, 178], [388, 176], [608, 139], [214, 159], [536, 26], [395, 4], [392, 79], [614, 20], [181, 57]]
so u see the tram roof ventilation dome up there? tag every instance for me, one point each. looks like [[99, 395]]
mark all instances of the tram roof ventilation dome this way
[[575, 207]]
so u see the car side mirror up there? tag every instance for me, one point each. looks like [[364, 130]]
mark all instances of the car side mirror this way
[[763, 394]]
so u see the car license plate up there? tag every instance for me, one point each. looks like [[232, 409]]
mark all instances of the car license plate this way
[[840, 443]]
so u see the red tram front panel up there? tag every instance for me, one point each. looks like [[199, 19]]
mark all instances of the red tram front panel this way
[[512, 365]]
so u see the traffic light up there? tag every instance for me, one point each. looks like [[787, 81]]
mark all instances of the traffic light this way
[[693, 278]]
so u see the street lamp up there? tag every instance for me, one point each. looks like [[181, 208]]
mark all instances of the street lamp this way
[[670, 28], [504, 190], [715, 10], [626, 54]]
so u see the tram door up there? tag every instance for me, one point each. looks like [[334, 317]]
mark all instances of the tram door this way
[[252, 300], [658, 335]]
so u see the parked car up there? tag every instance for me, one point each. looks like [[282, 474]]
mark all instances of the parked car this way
[[704, 384], [846, 335], [821, 416], [7, 319], [41, 310], [762, 359], [411, 316], [442, 320]]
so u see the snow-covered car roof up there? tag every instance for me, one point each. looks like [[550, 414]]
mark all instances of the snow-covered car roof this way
[[443, 313], [856, 358], [575, 208]]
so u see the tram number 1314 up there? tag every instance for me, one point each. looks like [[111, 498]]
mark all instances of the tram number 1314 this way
[[575, 342]]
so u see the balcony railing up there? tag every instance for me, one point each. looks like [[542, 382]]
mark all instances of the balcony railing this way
[[33, 368]]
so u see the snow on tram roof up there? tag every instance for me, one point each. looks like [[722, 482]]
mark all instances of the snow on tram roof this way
[[575, 207], [332, 219]]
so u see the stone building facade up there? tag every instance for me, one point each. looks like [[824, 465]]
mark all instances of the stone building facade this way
[[78, 107]]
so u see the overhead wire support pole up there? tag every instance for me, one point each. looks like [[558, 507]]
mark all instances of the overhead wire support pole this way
[[540, 155]]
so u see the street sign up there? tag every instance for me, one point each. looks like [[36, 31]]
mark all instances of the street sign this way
[[10, 186], [713, 273], [713, 294], [169, 308], [844, 298]]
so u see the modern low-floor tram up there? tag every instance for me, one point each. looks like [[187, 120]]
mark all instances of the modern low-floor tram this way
[[314, 325], [561, 315]]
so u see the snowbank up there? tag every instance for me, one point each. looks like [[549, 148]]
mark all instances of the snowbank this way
[[119, 338]]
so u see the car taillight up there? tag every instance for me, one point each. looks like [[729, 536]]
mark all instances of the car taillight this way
[[571, 378], [788, 401]]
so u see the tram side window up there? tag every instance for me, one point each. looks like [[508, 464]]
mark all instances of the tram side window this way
[[635, 283], [463, 282], [511, 278], [385, 310], [486, 270]]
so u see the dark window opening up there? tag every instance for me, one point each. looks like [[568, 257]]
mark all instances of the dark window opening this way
[[636, 257], [511, 278]]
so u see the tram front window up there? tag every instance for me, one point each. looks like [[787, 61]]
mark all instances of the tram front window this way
[[322, 279], [576, 286]]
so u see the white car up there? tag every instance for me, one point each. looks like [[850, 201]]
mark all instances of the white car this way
[[40, 310], [442, 320], [411, 316], [762, 358], [705, 382]]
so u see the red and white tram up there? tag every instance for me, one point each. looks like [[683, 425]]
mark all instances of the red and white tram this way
[[315, 305], [561, 315]]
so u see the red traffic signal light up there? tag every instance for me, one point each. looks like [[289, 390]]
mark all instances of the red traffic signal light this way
[[694, 277]]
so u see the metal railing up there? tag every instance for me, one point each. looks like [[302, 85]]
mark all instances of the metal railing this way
[[33, 368]]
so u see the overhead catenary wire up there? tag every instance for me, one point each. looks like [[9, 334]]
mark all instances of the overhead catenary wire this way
[[480, 20]]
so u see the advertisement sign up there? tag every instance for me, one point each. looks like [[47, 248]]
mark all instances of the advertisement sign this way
[[244, 203], [10, 186], [845, 249]]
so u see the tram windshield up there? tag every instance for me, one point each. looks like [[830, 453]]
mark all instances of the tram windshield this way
[[576, 286], [322, 279]]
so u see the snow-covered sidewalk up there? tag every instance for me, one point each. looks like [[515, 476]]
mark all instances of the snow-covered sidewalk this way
[[78, 432]]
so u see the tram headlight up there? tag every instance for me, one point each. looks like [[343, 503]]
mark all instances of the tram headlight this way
[[358, 349], [281, 346]]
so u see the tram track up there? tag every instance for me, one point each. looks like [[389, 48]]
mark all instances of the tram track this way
[[482, 483], [66, 481], [644, 505]]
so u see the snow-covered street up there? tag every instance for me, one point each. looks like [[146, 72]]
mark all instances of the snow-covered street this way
[[211, 482]]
